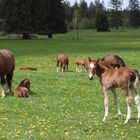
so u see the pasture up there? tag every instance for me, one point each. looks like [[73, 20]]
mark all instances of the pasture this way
[[67, 106]]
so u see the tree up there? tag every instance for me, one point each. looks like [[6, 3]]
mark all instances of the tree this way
[[134, 15], [83, 9], [116, 6], [102, 23], [91, 11], [34, 16], [99, 6], [68, 14]]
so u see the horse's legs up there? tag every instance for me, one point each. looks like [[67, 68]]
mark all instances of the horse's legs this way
[[57, 65], [137, 100], [116, 102], [62, 65], [76, 67], [9, 80], [67, 65], [3, 86], [106, 102], [129, 102]]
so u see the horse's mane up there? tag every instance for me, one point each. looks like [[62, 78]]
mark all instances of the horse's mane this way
[[22, 82], [121, 62], [104, 65]]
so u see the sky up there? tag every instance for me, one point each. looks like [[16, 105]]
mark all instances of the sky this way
[[125, 2]]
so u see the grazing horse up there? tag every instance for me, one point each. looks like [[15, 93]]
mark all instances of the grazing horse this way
[[62, 62], [125, 78], [114, 61], [81, 62], [23, 89], [7, 65]]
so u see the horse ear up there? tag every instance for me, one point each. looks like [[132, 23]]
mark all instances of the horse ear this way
[[98, 60], [89, 59]]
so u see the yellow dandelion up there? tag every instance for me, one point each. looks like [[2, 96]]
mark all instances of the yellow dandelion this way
[[42, 134]]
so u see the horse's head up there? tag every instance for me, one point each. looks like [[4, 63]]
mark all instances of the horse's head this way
[[92, 68], [25, 83]]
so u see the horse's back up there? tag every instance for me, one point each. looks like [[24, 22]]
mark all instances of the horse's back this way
[[7, 61], [80, 61], [114, 60], [62, 57], [121, 74]]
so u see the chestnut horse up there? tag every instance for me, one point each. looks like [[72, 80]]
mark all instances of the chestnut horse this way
[[62, 62], [125, 78], [7, 65], [23, 88], [114, 61], [81, 62]]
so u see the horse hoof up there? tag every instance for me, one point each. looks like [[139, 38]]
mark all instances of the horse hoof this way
[[126, 121], [3, 96], [120, 116], [104, 119], [138, 120]]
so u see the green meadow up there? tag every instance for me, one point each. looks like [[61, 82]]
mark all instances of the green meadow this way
[[67, 106]]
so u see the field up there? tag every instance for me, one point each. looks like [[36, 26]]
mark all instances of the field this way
[[67, 106]]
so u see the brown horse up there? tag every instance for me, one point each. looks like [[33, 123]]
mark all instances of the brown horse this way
[[62, 62], [81, 62], [114, 61], [125, 78], [7, 65], [23, 88]]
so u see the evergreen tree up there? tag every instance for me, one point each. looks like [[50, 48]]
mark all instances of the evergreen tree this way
[[34, 16], [134, 15], [91, 11], [102, 23], [115, 12], [83, 9]]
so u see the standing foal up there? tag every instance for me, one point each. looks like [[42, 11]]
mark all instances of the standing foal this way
[[125, 78], [62, 62], [81, 62]]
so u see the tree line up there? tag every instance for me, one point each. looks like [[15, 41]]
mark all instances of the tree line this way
[[57, 16], [96, 15]]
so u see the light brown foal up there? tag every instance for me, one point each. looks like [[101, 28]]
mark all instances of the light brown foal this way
[[125, 78], [81, 62], [62, 62]]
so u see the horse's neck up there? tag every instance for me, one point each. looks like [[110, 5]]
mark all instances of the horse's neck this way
[[100, 70]]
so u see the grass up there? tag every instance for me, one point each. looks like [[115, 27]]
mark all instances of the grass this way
[[67, 106]]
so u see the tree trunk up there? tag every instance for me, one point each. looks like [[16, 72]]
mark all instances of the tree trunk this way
[[26, 36]]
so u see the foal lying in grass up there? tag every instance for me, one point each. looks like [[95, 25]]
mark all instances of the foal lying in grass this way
[[23, 89]]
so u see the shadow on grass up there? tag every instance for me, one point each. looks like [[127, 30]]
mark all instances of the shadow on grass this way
[[11, 94]]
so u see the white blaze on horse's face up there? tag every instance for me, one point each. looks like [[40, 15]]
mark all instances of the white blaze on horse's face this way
[[92, 65], [90, 70]]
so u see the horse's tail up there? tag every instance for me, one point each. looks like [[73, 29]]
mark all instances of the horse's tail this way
[[137, 78], [121, 62]]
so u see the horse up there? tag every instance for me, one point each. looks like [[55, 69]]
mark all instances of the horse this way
[[7, 66], [62, 62], [114, 61], [23, 89], [81, 62], [125, 78]]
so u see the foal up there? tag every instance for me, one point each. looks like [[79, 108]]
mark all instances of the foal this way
[[81, 62], [125, 78], [23, 89], [62, 62], [114, 61]]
